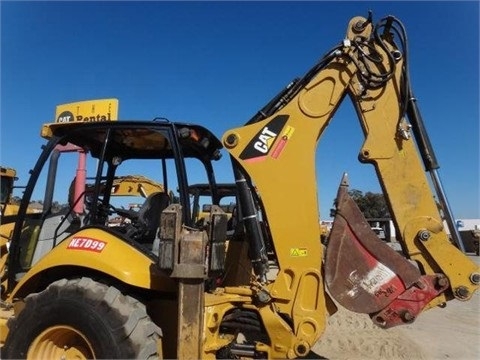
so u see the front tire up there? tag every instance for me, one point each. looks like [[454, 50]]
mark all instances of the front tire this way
[[81, 319]]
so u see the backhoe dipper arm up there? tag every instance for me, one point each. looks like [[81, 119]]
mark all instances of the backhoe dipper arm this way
[[276, 148]]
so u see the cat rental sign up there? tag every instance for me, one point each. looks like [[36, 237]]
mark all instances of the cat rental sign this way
[[87, 111]]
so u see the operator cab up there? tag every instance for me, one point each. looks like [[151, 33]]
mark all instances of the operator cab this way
[[97, 154]]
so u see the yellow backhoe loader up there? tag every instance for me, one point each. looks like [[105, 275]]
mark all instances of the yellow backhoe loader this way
[[8, 176], [130, 185], [226, 197], [164, 286]]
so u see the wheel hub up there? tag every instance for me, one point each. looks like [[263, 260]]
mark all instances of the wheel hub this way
[[60, 342]]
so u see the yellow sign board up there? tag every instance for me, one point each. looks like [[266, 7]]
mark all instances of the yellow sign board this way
[[298, 252], [87, 111]]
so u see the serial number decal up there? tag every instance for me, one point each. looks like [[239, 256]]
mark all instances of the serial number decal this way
[[88, 244]]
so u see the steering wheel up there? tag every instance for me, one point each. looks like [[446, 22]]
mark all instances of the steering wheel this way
[[128, 213]]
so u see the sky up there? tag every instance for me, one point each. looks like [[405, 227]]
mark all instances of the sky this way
[[217, 63]]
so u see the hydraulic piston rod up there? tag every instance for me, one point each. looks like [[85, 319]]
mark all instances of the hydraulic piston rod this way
[[431, 165]]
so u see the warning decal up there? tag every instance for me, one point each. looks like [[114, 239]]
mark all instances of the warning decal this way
[[298, 252], [282, 142]]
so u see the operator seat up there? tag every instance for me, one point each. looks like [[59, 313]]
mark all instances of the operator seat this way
[[146, 222]]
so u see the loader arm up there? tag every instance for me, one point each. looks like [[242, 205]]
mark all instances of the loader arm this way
[[275, 151]]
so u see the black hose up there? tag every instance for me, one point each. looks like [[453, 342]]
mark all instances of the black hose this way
[[292, 89]]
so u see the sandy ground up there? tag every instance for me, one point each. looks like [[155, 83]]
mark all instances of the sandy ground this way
[[449, 333]]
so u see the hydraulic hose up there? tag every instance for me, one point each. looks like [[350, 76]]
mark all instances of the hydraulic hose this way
[[258, 254]]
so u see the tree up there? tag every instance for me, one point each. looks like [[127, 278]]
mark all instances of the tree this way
[[372, 205], [15, 200]]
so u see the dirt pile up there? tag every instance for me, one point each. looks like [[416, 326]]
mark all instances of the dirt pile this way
[[353, 336], [437, 334]]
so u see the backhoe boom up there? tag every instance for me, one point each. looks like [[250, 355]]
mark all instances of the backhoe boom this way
[[276, 151]]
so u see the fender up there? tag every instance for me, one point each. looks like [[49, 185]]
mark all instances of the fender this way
[[102, 252]]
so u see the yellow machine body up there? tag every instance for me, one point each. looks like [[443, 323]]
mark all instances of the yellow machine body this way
[[270, 292]]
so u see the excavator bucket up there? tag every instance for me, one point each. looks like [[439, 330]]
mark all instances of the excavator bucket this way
[[365, 275]]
